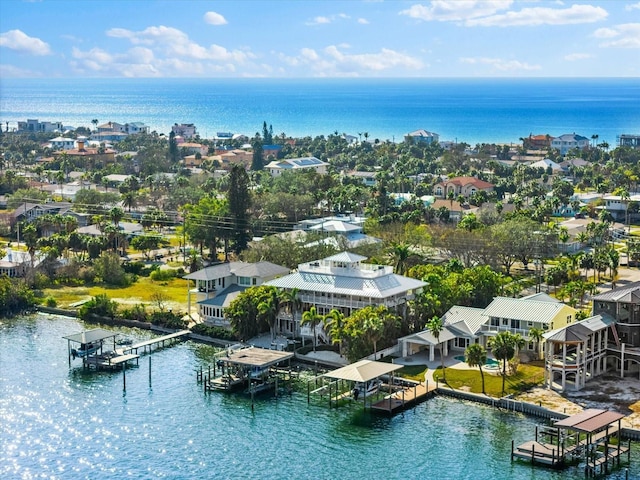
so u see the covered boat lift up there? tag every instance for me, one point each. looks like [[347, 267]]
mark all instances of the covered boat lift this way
[[362, 372]]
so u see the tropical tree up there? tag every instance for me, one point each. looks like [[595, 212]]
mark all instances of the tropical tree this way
[[476, 356], [290, 300], [435, 327], [536, 334], [503, 348], [335, 326], [268, 308], [373, 330], [313, 318]]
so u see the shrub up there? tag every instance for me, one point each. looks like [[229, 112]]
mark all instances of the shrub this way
[[51, 302], [99, 305], [163, 275], [137, 312], [214, 332], [87, 274], [168, 319]]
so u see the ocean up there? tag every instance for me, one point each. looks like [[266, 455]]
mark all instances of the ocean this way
[[60, 422], [462, 110]]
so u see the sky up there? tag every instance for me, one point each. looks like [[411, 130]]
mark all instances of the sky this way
[[329, 38]]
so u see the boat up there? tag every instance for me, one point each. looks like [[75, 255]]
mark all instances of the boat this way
[[366, 389], [86, 349]]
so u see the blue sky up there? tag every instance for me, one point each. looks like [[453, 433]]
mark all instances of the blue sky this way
[[287, 38]]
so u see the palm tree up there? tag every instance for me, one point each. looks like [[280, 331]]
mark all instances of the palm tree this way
[[536, 334], [399, 254], [503, 348], [476, 356], [116, 214], [290, 299], [435, 327], [335, 326], [373, 329], [268, 308], [313, 318]]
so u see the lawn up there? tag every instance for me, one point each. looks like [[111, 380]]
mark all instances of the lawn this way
[[143, 291], [528, 375]]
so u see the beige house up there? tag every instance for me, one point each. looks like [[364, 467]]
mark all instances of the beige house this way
[[465, 186]]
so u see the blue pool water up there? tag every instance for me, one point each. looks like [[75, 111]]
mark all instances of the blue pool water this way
[[58, 422], [490, 361]]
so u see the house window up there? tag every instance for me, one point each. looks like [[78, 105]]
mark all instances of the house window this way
[[568, 318], [529, 324], [515, 324], [495, 322], [244, 281], [505, 322]]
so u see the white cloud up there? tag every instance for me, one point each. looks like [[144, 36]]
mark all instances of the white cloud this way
[[324, 20], [500, 64], [363, 21], [620, 36], [214, 18], [169, 41], [383, 60], [534, 16], [572, 57], [21, 42], [633, 6], [7, 71], [456, 10]]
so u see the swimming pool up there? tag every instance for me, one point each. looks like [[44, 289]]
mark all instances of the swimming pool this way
[[489, 363]]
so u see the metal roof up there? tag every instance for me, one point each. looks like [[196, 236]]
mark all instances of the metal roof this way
[[224, 298], [629, 293], [380, 287], [427, 338], [579, 331], [524, 309], [241, 269], [89, 336], [256, 357], [590, 420], [363, 371], [465, 319], [345, 257]]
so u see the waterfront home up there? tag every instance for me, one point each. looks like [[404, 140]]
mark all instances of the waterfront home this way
[[577, 353], [628, 140], [465, 186], [569, 141], [185, 130], [277, 167], [538, 141], [218, 285], [344, 282], [15, 263], [623, 304], [466, 325], [422, 136], [33, 125], [62, 143], [127, 128]]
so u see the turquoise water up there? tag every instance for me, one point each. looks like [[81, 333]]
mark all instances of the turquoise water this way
[[466, 110], [490, 361], [60, 423]]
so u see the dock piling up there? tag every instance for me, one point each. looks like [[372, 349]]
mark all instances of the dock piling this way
[[124, 376], [149, 370]]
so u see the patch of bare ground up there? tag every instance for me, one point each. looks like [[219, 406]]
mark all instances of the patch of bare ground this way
[[606, 392]]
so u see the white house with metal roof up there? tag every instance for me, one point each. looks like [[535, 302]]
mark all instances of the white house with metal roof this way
[[344, 282], [466, 325], [218, 285], [277, 167]]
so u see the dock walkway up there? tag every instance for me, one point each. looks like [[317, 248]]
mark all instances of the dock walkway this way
[[153, 341], [403, 398]]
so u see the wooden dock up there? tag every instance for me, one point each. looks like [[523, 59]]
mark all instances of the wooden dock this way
[[403, 398], [153, 341]]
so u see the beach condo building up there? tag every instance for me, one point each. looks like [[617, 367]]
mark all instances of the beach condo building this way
[[466, 325], [345, 283], [422, 136], [184, 130], [277, 167], [33, 125], [569, 141], [628, 140], [218, 285], [576, 353]]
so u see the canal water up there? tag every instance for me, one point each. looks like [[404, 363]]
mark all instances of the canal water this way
[[58, 422]]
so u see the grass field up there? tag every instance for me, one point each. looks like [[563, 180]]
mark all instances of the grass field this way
[[143, 291], [528, 376]]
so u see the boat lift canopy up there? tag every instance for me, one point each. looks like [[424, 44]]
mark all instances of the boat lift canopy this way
[[590, 420], [363, 371], [90, 336]]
